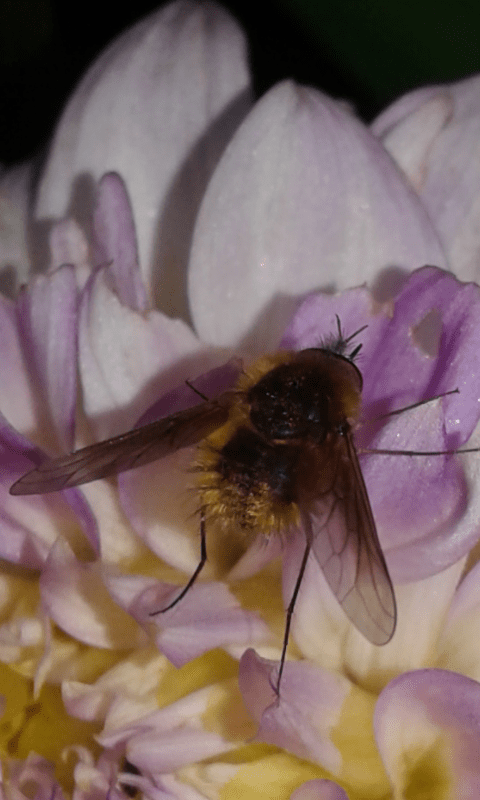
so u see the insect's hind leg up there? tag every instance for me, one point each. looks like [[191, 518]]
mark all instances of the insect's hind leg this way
[[289, 614], [200, 566]]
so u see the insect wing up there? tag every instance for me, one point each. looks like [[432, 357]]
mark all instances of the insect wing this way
[[345, 543], [129, 450]]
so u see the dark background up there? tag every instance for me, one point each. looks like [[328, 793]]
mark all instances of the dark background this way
[[366, 51]]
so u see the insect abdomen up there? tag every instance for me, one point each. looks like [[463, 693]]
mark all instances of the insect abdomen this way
[[252, 483]]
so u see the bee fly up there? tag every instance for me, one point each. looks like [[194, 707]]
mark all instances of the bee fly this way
[[274, 454]]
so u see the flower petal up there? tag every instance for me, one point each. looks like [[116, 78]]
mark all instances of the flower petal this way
[[126, 116], [121, 354], [47, 318], [69, 245], [120, 695], [157, 753], [159, 742], [427, 725], [457, 648], [116, 241], [17, 394], [447, 174], [161, 506], [77, 600], [303, 198], [33, 777], [207, 617], [319, 789], [409, 128], [30, 525], [293, 721], [454, 365]]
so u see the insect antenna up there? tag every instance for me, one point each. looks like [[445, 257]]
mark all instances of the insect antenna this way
[[352, 335], [340, 343], [198, 569]]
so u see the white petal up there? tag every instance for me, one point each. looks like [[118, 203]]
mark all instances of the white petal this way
[[304, 198], [121, 353], [77, 600], [158, 107], [447, 155], [410, 141]]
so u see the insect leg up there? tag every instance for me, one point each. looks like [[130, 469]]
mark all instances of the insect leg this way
[[288, 619], [419, 452], [192, 387], [200, 566]]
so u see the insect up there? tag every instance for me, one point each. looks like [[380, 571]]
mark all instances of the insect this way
[[274, 454]]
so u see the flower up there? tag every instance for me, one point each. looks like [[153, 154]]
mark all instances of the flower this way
[[263, 207]]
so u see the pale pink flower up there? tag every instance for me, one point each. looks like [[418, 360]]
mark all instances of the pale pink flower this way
[[238, 213]]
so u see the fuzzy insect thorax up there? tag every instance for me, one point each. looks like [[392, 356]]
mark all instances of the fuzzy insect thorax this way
[[275, 448]]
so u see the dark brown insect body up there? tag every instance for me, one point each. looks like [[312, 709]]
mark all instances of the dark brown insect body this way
[[274, 454]]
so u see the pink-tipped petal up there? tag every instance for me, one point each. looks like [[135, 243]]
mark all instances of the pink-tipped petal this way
[[33, 777], [293, 721], [69, 245], [320, 789], [427, 726], [83, 511], [17, 395], [47, 319], [116, 241], [304, 198], [31, 524], [158, 753], [170, 737], [207, 617]]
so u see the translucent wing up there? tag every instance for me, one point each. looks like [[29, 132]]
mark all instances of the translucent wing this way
[[133, 449], [345, 543]]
